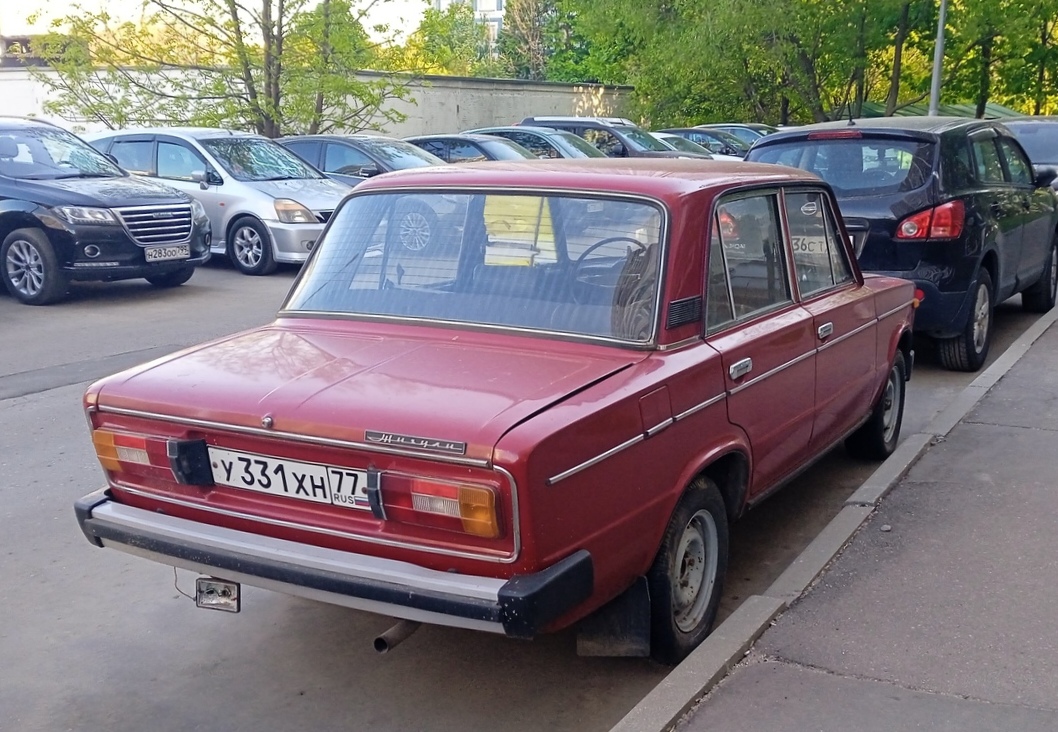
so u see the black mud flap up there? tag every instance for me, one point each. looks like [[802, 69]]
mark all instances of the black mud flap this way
[[619, 628]]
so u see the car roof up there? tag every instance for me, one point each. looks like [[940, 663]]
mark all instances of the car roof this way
[[1037, 120], [929, 125], [655, 177], [340, 137], [194, 133], [614, 121], [549, 131], [11, 122], [453, 136]]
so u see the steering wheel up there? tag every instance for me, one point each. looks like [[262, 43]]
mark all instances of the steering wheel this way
[[599, 275]]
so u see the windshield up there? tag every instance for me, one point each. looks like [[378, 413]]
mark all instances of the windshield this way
[[257, 159], [683, 144], [49, 153], [578, 144], [1040, 140], [525, 261], [857, 166], [500, 148], [397, 154], [718, 140], [642, 140]]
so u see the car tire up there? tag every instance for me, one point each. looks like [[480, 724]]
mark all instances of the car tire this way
[[876, 439], [171, 279], [1041, 296], [968, 350], [30, 268], [250, 247], [687, 576], [416, 227]]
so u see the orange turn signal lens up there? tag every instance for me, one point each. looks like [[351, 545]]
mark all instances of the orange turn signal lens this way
[[115, 448]]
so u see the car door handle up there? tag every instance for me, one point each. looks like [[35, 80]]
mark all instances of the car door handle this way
[[741, 368], [824, 331]]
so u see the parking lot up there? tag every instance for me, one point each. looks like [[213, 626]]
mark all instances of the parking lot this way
[[96, 640]]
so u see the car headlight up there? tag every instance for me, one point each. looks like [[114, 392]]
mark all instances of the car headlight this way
[[198, 211], [292, 212], [85, 215]]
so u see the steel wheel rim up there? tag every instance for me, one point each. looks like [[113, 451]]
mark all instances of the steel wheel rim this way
[[694, 571], [248, 247], [890, 403], [414, 231], [982, 316], [25, 268]]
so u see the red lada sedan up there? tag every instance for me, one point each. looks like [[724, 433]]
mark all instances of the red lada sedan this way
[[555, 414]]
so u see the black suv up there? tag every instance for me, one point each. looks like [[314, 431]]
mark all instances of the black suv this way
[[615, 136], [68, 213], [953, 204]]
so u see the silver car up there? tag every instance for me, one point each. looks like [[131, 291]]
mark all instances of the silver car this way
[[266, 205]]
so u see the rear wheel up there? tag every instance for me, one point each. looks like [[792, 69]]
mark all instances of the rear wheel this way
[[250, 247], [687, 576], [968, 351], [416, 227], [878, 436], [1041, 296], [30, 267], [171, 279]]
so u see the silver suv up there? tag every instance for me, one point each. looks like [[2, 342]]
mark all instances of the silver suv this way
[[266, 205]]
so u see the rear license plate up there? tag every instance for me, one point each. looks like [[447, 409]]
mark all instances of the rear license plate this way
[[290, 478], [164, 254]]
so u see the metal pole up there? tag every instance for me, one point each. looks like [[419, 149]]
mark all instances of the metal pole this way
[[938, 62]]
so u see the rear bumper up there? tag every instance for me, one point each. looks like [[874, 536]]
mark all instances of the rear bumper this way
[[941, 314], [519, 607]]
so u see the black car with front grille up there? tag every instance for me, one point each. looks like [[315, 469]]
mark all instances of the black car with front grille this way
[[953, 204], [69, 213]]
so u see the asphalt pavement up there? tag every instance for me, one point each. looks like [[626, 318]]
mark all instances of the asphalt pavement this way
[[939, 614]]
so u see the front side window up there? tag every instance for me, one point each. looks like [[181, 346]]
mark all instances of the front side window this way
[[465, 152], [508, 260], [257, 159], [1019, 168], [989, 168], [754, 254], [436, 147], [49, 153], [345, 159], [533, 143], [178, 162], [134, 156], [606, 142], [819, 257]]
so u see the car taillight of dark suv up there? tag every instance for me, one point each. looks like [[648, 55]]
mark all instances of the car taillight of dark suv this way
[[953, 204], [68, 213]]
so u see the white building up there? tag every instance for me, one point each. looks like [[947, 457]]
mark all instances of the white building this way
[[489, 12]]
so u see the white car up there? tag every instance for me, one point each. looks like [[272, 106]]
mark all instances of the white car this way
[[265, 204], [684, 145]]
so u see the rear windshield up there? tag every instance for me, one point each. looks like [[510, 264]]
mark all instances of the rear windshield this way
[[1040, 140], [862, 166], [524, 261]]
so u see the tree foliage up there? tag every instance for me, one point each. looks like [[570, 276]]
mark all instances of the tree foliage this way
[[450, 41], [273, 66]]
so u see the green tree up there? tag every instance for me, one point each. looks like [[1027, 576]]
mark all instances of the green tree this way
[[278, 67], [450, 41]]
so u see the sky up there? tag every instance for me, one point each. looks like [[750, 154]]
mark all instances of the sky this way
[[402, 15]]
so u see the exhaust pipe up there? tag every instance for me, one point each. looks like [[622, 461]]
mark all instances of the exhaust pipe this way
[[395, 635]]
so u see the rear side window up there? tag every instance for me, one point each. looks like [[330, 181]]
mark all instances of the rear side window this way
[[860, 166], [819, 257]]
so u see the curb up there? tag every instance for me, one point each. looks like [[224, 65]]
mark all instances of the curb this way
[[666, 704]]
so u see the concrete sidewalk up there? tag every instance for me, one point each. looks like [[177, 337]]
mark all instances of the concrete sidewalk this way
[[942, 613]]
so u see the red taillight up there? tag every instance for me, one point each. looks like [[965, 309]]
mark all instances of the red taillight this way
[[945, 221], [464, 507], [124, 452], [835, 135]]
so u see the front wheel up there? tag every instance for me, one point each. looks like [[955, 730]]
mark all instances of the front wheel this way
[[171, 279], [416, 227], [968, 350], [878, 436], [250, 248], [30, 267], [687, 576], [1041, 296]]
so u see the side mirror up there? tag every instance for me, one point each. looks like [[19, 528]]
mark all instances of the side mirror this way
[[1045, 175], [112, 158], [369, 171]]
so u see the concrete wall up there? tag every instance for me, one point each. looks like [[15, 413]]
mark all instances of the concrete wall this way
[[442, 103]]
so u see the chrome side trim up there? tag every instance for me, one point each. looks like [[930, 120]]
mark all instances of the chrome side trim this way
[[848, 335], [659, 427], [596, 460], [516, 514], [699, 407], [774, 371], [294, 437], [895, 310], [507, 559], [680, 344]]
